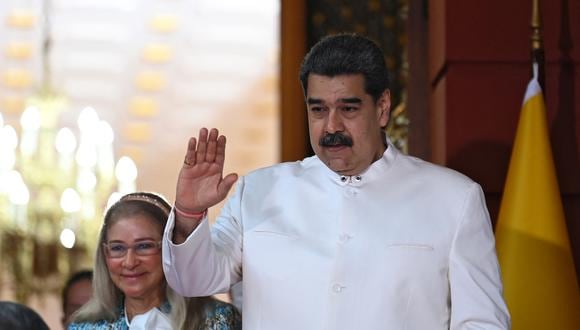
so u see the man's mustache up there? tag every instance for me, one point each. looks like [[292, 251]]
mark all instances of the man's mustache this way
[[335, 139]]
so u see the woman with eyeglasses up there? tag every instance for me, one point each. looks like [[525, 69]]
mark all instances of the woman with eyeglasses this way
[[130, 291]]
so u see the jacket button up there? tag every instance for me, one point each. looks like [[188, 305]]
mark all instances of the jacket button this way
[[337, 288], [344, 238]]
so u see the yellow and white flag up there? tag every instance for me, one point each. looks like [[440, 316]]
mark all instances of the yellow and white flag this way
[[533, 246]]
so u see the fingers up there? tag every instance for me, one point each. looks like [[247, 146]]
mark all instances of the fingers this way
[[201, 146], [210, 147], [220, 151], [189, 159], [212, 142], [226, 184]]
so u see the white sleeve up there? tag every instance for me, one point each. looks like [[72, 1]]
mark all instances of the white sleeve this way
[[206, 263], [474, 276]]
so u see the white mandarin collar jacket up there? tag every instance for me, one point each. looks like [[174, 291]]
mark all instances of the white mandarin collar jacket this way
[[405, 245]]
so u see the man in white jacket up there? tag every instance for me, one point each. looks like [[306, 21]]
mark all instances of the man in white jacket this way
[[359, 236]]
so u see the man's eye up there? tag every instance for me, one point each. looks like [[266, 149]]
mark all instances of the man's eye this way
[[316, 109], [349, 109]]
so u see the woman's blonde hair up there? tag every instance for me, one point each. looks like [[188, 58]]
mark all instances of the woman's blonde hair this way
[[186, 313]]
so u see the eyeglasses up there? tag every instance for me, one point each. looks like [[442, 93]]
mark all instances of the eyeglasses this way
[[143, 248]]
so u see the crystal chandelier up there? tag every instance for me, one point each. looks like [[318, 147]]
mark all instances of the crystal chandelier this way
[[55, 183]]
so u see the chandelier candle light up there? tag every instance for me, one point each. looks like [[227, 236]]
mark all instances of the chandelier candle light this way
[[55, 184], [54, 190]]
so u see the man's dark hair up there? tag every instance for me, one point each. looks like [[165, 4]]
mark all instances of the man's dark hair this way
[[347, 54], [16, 316], [74, 278]]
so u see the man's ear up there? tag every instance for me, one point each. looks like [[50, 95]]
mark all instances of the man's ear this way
[[384, 108]]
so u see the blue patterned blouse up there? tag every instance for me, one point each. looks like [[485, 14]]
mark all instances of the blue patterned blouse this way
[[219, 316]]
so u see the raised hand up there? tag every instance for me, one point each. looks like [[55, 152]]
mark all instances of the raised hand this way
[[201, 183]]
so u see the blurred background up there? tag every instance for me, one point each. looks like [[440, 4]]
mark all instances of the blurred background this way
[[99, 97]]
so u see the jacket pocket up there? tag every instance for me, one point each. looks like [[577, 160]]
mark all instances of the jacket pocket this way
[[273, 233], [411, 246]]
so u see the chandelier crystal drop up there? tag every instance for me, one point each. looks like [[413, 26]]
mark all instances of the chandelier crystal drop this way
[[56, 181]]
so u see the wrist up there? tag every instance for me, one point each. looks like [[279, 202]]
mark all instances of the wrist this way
[[190, 215]]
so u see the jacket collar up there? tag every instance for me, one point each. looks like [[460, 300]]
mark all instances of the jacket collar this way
[[374, 171]]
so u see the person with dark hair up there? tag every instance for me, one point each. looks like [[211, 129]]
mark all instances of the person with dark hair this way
[[359, 236], [77, 290], [130, 291], [15, 316], [348, 55]]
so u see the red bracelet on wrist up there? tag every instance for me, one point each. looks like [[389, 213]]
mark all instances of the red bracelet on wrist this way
[[198, 215]]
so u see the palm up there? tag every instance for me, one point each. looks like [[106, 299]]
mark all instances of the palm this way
[[201, 183]]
